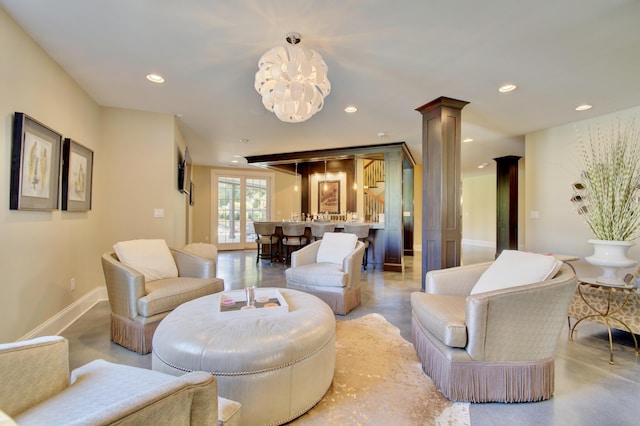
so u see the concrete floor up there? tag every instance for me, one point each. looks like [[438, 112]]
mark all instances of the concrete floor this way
[[588, 391]]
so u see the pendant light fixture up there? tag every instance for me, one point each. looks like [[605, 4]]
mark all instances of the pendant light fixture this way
[[355, 173], [295, 187], [325, 186], [292, 81]]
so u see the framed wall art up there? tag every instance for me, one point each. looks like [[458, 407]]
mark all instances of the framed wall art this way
[[329, 196], [77, 176], [35, 165]]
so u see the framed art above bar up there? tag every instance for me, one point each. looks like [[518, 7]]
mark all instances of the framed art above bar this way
[[329, 196], [77, 176], [35, 165]]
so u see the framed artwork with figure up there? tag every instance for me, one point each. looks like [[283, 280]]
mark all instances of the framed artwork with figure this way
[[77, 176], [35, 165], [329, 196]]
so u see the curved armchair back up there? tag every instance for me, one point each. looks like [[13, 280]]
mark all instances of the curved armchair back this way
[[125, 286], [293, 229], [360, 229], [264, 228], [319, 228], [520, 323]]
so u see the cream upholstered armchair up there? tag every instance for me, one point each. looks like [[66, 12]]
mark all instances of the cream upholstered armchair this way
[[488, 332], [146, 280], [330, 269], [38, 389]]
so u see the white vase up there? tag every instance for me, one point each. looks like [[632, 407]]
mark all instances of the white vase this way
[[611, 256]]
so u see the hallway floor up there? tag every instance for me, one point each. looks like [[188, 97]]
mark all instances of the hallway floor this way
[[588, 391]]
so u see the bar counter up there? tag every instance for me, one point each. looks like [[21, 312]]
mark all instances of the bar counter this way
[[376, 238]]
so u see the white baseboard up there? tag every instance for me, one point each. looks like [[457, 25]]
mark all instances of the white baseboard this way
[[479, 243], [63, 319]]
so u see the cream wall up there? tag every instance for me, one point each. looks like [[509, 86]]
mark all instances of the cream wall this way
[[479, 210], [552, 166], [135, 171], [287, 200], [42, 251], [201, 211], [140, 159]]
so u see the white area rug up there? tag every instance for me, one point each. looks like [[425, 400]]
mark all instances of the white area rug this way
[[379, 381]]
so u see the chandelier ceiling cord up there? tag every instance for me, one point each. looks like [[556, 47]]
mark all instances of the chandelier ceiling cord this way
[[292, 81]]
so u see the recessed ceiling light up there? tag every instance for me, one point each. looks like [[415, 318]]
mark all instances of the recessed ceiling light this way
[[382, 134], [467, 140], [507, 88], [236, 156], [244, 140], [583, 107], [234, 161], [483, 165], [155, 78], [351, 108]]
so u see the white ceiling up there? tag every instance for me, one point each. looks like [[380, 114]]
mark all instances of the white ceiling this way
[[386, 57]]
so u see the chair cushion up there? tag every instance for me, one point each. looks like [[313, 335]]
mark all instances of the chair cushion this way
[[294, 241], [335, 246], [266, 239], [443, 316], [167, 294], [318, 274], [514, 268], [151, 258]]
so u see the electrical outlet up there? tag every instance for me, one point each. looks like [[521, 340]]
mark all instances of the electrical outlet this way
[[72, 284]]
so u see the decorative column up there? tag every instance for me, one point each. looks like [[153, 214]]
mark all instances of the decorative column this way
[[441, 182], [506, 203], [393, 225]]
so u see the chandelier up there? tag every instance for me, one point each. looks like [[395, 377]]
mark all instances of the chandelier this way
[[292, 81]]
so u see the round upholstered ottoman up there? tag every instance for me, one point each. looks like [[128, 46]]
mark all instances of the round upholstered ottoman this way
[[277, 365]]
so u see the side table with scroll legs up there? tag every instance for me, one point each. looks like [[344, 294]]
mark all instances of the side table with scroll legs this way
[[607, 312]]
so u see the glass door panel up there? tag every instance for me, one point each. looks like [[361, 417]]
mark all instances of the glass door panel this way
[[256, 203], [229, 210], [240, 200]]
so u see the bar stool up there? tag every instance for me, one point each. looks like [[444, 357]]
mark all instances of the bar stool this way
[[266, 235], [319, 228], [362, 232], [292, 236]]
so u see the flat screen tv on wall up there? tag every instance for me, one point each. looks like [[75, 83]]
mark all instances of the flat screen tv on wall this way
[[184, 172]]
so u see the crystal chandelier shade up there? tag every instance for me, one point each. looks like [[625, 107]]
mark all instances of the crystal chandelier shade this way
[[292, 81]]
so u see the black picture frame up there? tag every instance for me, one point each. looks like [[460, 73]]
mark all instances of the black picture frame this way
[[77, 176], [35, 165], [329, 198]]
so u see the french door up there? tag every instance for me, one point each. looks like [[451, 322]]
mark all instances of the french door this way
[[239, 199]]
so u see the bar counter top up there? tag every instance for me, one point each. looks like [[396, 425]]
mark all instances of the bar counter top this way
[[340, 225]]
